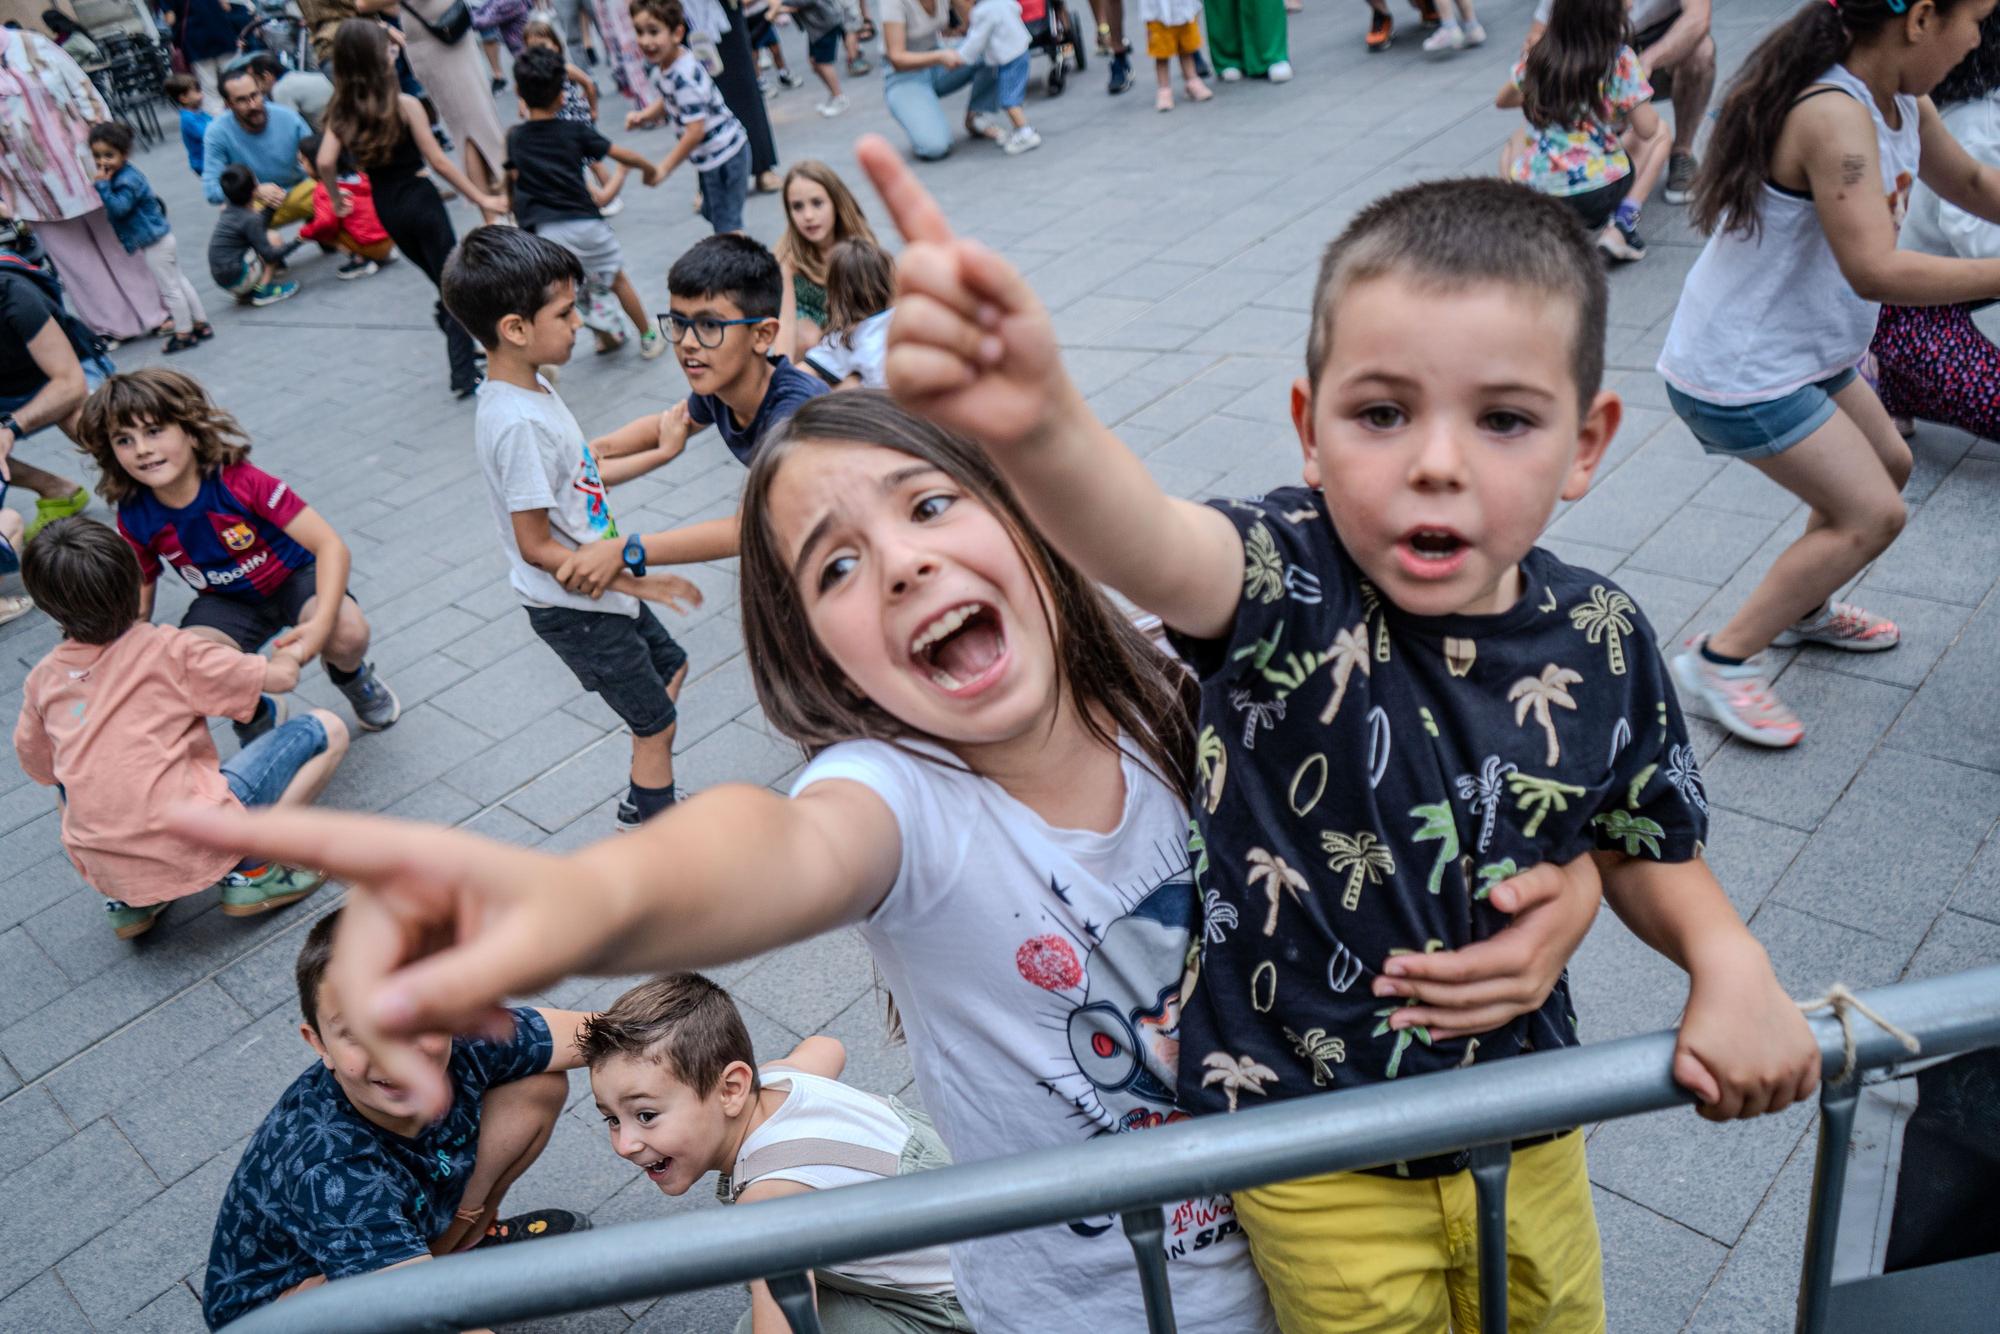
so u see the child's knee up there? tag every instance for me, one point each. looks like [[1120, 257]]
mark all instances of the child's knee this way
[[336, 733], [1877, 524]]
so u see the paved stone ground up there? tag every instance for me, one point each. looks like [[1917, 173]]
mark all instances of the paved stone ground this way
[[1178, 253]]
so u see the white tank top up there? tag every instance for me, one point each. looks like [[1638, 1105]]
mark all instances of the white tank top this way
[[1760, 319]]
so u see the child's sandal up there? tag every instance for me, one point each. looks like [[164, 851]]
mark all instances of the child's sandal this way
[[204, 331], [181, 343]]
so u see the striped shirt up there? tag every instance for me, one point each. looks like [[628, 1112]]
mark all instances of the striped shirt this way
[[690, 96]]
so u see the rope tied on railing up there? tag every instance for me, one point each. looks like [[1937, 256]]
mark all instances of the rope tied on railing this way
[[1845, 1004]]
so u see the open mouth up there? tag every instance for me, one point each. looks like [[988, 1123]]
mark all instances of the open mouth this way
[[960, 647], [656, 1170], [1433, 552], [693, 366]]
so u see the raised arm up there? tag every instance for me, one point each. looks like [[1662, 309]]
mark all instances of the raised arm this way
[[972, 348], [419, 126]]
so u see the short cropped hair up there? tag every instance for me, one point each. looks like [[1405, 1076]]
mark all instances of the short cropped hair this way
[[680, 1020], [731, 266], [310, 970], [1459, 232], [539, 76], [178, 86], [668, 12], [114, 133], [265, 65], [498, 271], [239, 184], [86, 577]]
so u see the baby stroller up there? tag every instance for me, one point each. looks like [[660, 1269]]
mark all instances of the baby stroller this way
[[1053, 31]]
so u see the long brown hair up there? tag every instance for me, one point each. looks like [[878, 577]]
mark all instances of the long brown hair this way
[[1562, 80], [1108, 668], [1729, 192], [364, 111], [158, 397], [849, 222], [860, 282]]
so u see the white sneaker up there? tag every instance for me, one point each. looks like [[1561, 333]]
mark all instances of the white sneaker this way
[[612, 209], [1842, 625], [833, 106], [1234, 75], [1021, 140], [1280, 72], [983, 124], [1474, 34], [1739, 697], [1448, 37]]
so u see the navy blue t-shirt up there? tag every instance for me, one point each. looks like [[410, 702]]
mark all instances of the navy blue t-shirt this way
[[1368, 775], [789, 387], [324, 1190]]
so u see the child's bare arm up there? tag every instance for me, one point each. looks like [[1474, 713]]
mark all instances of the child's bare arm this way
[[666, 429], [766, 1317], [690, 140], [819, 1055], [332, 562], [711, 539], [973, 349], [583, 81], [149, 589], [566, 1034], [603, 192], [281, 671], [1744, 1046], [650, 114], [441, 925]]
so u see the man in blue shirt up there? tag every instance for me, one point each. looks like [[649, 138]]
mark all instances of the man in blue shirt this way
[[265, 138]]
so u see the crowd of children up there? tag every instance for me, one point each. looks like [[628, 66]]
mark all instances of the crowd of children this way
[[1110, 881]]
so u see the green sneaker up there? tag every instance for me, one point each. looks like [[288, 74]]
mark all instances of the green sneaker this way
[[48, 511], [127, 922], [245, 894]]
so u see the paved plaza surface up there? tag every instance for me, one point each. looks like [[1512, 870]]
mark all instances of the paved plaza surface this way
[[1177, 253]]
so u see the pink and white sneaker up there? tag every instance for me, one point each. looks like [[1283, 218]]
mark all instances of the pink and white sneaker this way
[[1842, 625], [1740, 697]]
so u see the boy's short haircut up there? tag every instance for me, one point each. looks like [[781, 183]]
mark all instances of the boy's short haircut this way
[[680, 1020], [1459, 232], [178, 86], [164, 398], [239, 184], [310, 970], [265, 65], [860, 282], [731, 266], [498, 271], [116, 133], [668, 12], [539, 77], [86, 577]]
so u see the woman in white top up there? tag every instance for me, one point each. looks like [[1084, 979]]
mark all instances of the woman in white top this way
[[922, 73], [1808, 176], [1932, 361]]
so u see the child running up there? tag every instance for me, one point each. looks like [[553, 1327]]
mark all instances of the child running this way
[[861, 283], [711, 140], [264, 565], [579, 102], [140, 222], [679, 1087], [1806, 181], [115, 718], [820, 213], [1513, 711], [993, 800], [1578, 85]]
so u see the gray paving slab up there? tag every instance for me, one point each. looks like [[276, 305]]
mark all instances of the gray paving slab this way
[[1655, 1270]]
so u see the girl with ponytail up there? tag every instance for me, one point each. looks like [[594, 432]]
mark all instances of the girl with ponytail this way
[[1807, 179]]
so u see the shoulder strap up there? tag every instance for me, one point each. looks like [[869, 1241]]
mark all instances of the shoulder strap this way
[[814, 1153]]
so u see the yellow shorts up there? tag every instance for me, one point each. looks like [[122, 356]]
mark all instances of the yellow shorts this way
[[1365, 1254], [1164, 42], [298, 205]]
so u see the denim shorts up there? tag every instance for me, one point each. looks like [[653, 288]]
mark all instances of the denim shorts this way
[[626, 661], [1760, 430], [723, 188], [260, 772], [1013, 80]]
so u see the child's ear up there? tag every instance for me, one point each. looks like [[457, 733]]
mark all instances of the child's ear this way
[[1302, 422], [512, 329], [738, 1081], [311, 1035], [763, 334], [1593, 437]]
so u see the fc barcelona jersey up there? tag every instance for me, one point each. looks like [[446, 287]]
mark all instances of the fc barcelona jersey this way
[[230, 539]]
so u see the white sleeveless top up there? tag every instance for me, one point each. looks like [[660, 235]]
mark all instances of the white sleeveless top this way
[[826, 1111], [1760, 319]]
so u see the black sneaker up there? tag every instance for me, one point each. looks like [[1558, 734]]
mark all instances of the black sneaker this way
[[1621, 241], [627, 818], [271, 711], [527, 1227], [1121, 73], [375, 705], [359, 267], [1681, 169]]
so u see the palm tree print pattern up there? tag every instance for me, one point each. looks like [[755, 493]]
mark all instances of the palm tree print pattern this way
[[1363, 858], [1604, 619], [1436, 822], [1236, 1074], [1278, 878], [1538, 695], [1484, 791], [1263, 569]]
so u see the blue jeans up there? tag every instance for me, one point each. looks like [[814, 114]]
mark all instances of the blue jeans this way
[[915, 100], [260, 772], [723, 189], [1013, 82]]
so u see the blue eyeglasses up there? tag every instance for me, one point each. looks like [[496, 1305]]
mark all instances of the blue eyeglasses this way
[[708, 331]]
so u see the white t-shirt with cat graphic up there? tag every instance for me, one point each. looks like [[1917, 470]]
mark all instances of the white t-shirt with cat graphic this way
[[1038, 974]]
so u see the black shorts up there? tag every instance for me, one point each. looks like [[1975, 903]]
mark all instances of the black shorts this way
[[825, 48], [251, 622], [1662, 80], [625, 660], [1595, 207]]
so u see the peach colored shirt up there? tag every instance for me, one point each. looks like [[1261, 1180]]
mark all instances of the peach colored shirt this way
[[124, 728]]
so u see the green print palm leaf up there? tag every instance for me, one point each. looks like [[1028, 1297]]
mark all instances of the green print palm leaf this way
[[1363, 858], [1278, 877], [1437, 822], [1540, 795], [1635, 831], [1538, 695], [1263, 571], [1404, 1037], [1491, 874], [1603, 620], [1211, 766], [1350, 650], [1236, 1074], [1198, 850], [1292, 674]]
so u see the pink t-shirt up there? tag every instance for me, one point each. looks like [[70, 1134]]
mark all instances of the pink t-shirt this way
[[124, 728]]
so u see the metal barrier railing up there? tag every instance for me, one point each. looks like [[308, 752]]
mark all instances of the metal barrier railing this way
[[1132, 1174]]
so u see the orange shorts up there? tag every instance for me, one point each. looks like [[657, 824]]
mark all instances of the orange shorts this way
[[1164, 42]]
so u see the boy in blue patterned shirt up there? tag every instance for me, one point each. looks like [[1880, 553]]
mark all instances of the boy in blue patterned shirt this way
[[343, 1179], [712, 140], [1403, 703]]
